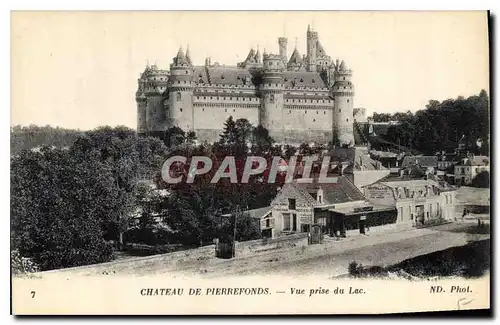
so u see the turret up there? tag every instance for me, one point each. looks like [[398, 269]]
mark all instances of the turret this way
[[153, 86], [141, 101], [271, 90], [312, 42], [180, 93], [283, 43], [343, 94]]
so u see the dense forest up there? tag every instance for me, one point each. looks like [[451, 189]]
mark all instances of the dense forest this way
[[33, 136], [442, 125]]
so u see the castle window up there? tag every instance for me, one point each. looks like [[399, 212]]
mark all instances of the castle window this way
[[184, 81], [347, 120], [340, 110], [186, 72], [348, 100], [324, 112], [286, 79], [200, 76], [203, 109], [301, 80], [314, 120], [344, 87], [313, 81], [305, 112], [289, 111], [204, 97], [225, 110], [178, 97], [234, 110], [317, 112], [211, 97], [343, 78], [180, 109], [271, 99], [217, 97], [222, 77]]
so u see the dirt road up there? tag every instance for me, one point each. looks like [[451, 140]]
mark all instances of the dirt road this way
[[329, 259]]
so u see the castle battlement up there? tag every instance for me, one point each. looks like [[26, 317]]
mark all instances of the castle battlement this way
[[304, 97]]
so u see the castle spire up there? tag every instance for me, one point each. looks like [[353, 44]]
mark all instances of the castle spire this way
[[188, 57], [308, 28]]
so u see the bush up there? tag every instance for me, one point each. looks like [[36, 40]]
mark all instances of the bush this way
[[355, 269], [482, 180], [21, 265]]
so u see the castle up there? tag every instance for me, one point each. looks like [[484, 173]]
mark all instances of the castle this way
[[301, 99]]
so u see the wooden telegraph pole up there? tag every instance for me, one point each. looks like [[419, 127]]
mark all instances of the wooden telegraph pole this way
[[234, 230]]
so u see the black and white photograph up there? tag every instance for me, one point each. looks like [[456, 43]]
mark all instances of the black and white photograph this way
[[249, 162]]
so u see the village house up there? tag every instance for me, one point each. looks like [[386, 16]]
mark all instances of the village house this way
[[336, 207], [469, 167], [417, 201]]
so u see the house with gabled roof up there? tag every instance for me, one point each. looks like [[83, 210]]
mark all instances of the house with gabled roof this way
[[337, 206]]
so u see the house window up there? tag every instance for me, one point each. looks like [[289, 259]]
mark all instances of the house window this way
[[178, 97], [291, 204], [294, 222], [268, 223]]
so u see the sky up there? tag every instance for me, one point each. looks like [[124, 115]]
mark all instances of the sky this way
[[80, 69]]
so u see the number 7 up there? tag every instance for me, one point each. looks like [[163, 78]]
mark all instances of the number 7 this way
[[32, 294]]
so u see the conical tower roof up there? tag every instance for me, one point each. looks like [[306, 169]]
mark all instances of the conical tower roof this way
[[296, 57], [181, 57], [343, 66], [188, 57], [320, 51]]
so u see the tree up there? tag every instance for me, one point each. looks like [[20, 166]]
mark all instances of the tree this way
[[58, 202], [117, 149], [482, 180], [262, 141], [441, 125], [174, 136]]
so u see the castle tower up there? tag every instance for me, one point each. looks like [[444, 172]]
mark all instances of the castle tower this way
[[153, 84], [312, 42], [180, 93], [271, 90], [283, 43], [141, 101], [343, 94]]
